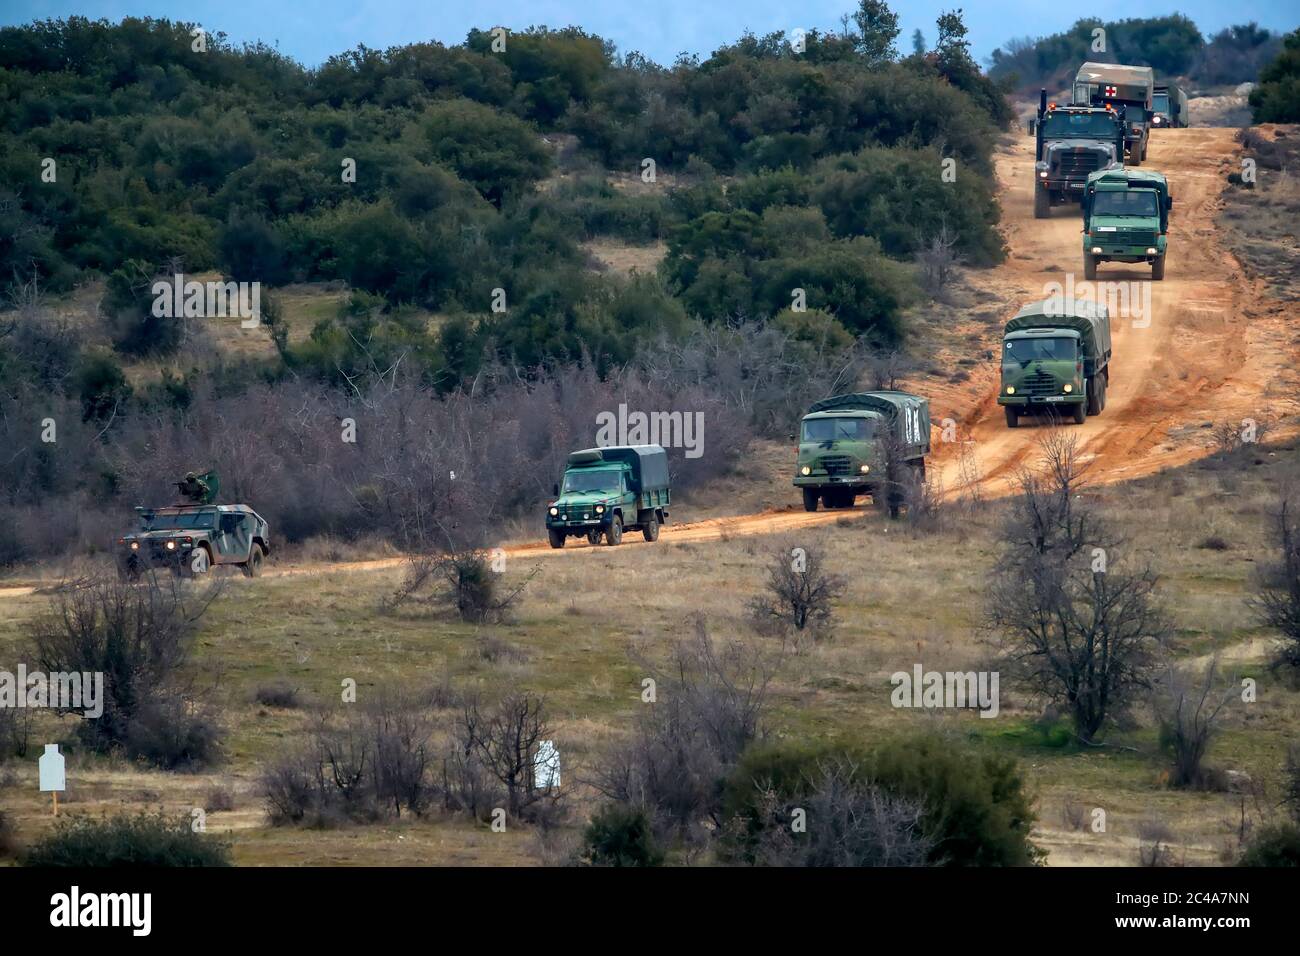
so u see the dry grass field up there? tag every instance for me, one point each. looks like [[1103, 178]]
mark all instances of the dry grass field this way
[[584, 622]]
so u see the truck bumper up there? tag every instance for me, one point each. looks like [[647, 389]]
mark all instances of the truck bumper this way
[[858, 484], [1072, 188], [1022, 401]]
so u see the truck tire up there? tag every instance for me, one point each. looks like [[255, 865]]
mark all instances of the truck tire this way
[[200, 561], [1134, 157], [650, 528], [1080, 412], [1042, 203], [614, 533], [1158, 269], [1096, 394], [1089, 266], [555, 537], [809, 500], [1013, 416], [253, 566]]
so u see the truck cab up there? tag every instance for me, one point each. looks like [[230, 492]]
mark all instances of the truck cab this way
[[1126, 219], [1071, 143], [606, 491]]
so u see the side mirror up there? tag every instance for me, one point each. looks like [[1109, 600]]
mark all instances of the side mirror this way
[[555, 491]]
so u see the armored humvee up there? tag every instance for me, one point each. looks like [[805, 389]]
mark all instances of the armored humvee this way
[[190, 538]]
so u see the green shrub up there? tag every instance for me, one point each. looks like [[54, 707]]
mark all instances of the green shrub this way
[[619, 835], [1277, 97], [1278, 845], [142, 840]]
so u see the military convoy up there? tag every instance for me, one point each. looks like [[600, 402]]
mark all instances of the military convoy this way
[[860, 444], [606, 491], [1055, 357], [1126, 219]]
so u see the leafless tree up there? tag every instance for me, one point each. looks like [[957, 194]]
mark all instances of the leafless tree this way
[[1276, 601], [506, 738], [800, 591], [938, 260], [1188, 708]]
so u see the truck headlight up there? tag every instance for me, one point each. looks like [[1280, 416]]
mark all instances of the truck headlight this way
[[1096, 250], [1011, 390], [1068, 388], [864, 469], [555, 511], [1151, 252], [135, 545], [1042, 174], [171, 545], [805, 470], [600, 509]]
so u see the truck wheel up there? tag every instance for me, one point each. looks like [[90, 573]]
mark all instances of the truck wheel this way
[[1158, 269], [809, 500], [614, 534], [1080, 411], [650, 529], [1096, 396], [1134, 157], [253, 566], [593, 538], [1089, 266], [555, 537], [1042, 203], [1013, 416], [128, 571], [200, 561]]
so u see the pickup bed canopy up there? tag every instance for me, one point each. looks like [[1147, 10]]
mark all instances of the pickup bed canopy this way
[[1089, 319], [908, 414], [649, 463]]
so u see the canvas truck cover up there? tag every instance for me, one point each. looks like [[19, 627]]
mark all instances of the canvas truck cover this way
[[908, 414], [1132, 83], [1089, 319], [1129, 179], [649, 463]]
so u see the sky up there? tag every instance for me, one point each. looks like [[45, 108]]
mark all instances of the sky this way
[[312, 30]]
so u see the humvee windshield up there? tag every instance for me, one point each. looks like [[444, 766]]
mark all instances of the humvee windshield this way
[[191, 521], [607, 480], [1160, 103], [832, 429], [1072, 125], [1141, 202], [1024, 351]]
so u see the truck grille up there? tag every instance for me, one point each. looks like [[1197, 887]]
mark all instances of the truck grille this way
[[1078, 163], [835, 465], [1136, 238], [1041, 383]]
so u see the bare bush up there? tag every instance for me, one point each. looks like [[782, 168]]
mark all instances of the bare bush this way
[[1188, 707], [800, 591], [462, 580], [506, 738], [1074, 814], [1276, 601], [1154, 837], [938, 261]]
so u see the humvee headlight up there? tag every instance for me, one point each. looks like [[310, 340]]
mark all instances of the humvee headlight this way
[[1068, 388], [135, 545], [555, 511], [600, 509], [1096, 250], [1151, 252], [1042, 175], [171, 545], [805, 470], [1011, 390], [864, 469]]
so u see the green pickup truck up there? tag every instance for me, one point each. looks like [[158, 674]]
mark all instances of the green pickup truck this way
[[606, 491], [842, 445], [1056, 356], [1125, 219]]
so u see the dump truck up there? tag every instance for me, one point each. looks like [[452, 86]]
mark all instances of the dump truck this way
[[1129, 91], [1126, 219], [1069, 143], [1055, 357], [606, 491], [849, 444], [1168, 106]]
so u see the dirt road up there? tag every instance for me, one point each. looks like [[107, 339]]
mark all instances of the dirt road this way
[[1211, 349]]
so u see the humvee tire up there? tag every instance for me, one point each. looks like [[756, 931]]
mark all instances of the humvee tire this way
[[200, 562], [1134, 159], [614, 534], [810, 500], [555, 537], [1080, 412], [1096, 394], [253, 566], [1013, 416], [1042, 203], [593, 537], [1158, 269], [1089, 266], [650, 529]]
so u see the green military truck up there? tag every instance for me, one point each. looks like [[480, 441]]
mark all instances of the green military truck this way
[[1129, 90], [1168, 106], [1126, 219], [845, 444], [1071, 142], [606, 491], [1056, 355]]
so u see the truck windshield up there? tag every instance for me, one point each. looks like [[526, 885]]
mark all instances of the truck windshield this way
[[1160, 103], [832, 429], [181, 522], [1024, 351], [1079, 125], [606, 481], [1137, 202]]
